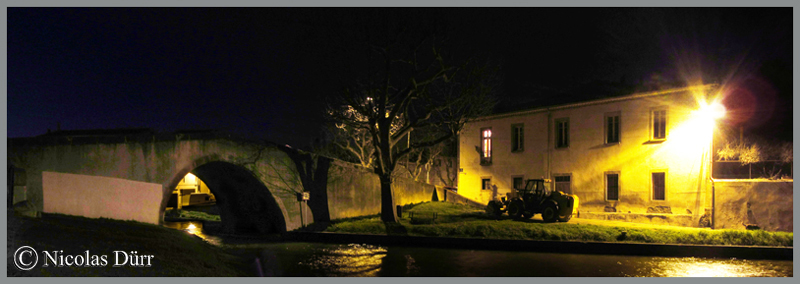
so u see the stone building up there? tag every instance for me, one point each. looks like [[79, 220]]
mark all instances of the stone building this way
[[640, 153]]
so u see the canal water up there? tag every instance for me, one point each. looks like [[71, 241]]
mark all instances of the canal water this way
[[355, 260]]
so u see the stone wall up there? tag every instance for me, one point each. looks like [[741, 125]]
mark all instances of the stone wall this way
[[101, 197], [766, 204], [454, 197], [354, 191]]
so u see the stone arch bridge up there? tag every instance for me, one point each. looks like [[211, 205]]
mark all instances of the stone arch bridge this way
[[255, 183]]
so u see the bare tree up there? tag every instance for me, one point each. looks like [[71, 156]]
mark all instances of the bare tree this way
[[414, 89], [770, 154], [421, 160], [446, 170], [349, 137]]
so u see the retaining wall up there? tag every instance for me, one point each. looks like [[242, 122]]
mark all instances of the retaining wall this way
[[354, 191], [454, 197], [96, 197], [764, 203]]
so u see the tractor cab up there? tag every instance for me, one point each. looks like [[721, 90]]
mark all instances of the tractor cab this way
[[535, 189]]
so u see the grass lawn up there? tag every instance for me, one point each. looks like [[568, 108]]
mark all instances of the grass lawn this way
[[176, 253], [454, 220], [190, 214]]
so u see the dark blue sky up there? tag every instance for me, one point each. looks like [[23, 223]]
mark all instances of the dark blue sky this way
[[265, 72]]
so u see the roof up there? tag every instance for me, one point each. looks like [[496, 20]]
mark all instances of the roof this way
[[555, 102]]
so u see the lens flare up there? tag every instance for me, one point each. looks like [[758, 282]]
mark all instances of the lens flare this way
[[710, 111]]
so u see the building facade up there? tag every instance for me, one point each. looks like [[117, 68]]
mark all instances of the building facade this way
[[191, 190], [641, 153]]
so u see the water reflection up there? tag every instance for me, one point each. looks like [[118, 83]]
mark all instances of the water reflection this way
[[194, 228], [316, 259], [350, 260], [702, 267], [362, 260]]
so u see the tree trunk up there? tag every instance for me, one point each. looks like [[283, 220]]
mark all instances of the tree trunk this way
[[318, 199], [388, 213], [314, 180]]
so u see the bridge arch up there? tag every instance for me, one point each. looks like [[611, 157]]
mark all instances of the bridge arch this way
[[246, 205]]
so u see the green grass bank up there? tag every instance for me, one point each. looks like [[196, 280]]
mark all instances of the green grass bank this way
[[183, 214], [454, 220], [176, 253]]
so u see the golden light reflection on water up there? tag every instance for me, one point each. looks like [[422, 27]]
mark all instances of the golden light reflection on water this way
[[701, 267], [350, 260], [194, 228]]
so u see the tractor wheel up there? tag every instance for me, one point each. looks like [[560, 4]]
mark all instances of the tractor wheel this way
[[550, 213], [515, 209], [565, 218], [493, 209]]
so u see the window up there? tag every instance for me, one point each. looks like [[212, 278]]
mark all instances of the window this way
[[486, 146], [518, 182], [612, 128], [517, 138], [612, 186], [562, 133], [659, 123], [563, 183], [486, 183], [659, 185]]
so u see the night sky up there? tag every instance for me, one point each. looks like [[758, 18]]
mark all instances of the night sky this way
[[265, 72]]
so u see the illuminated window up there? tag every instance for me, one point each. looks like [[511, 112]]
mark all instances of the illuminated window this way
[[518, 182], [517, 138], [612, 186], [612, 127], [562, 133], [659, 185], [658, 118], [486, 146], [563, 183], [486, 183]]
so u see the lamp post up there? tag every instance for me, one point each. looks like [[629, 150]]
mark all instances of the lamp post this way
[[711, 179], [712, 112]]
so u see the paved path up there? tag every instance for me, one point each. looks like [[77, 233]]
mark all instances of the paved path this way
[[628, 224], [610, 223]]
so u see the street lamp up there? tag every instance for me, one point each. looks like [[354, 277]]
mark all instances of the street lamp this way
[[711, 111], [708, 114]]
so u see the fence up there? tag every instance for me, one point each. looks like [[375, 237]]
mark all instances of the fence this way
[[766, 169]]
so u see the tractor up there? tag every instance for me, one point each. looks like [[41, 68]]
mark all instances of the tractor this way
[[535, 198]]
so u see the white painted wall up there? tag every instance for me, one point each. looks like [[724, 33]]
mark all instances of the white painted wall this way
[[96, 197], [588, 157]]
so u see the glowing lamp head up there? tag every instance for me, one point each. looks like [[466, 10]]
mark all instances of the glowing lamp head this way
[[712, 111]]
